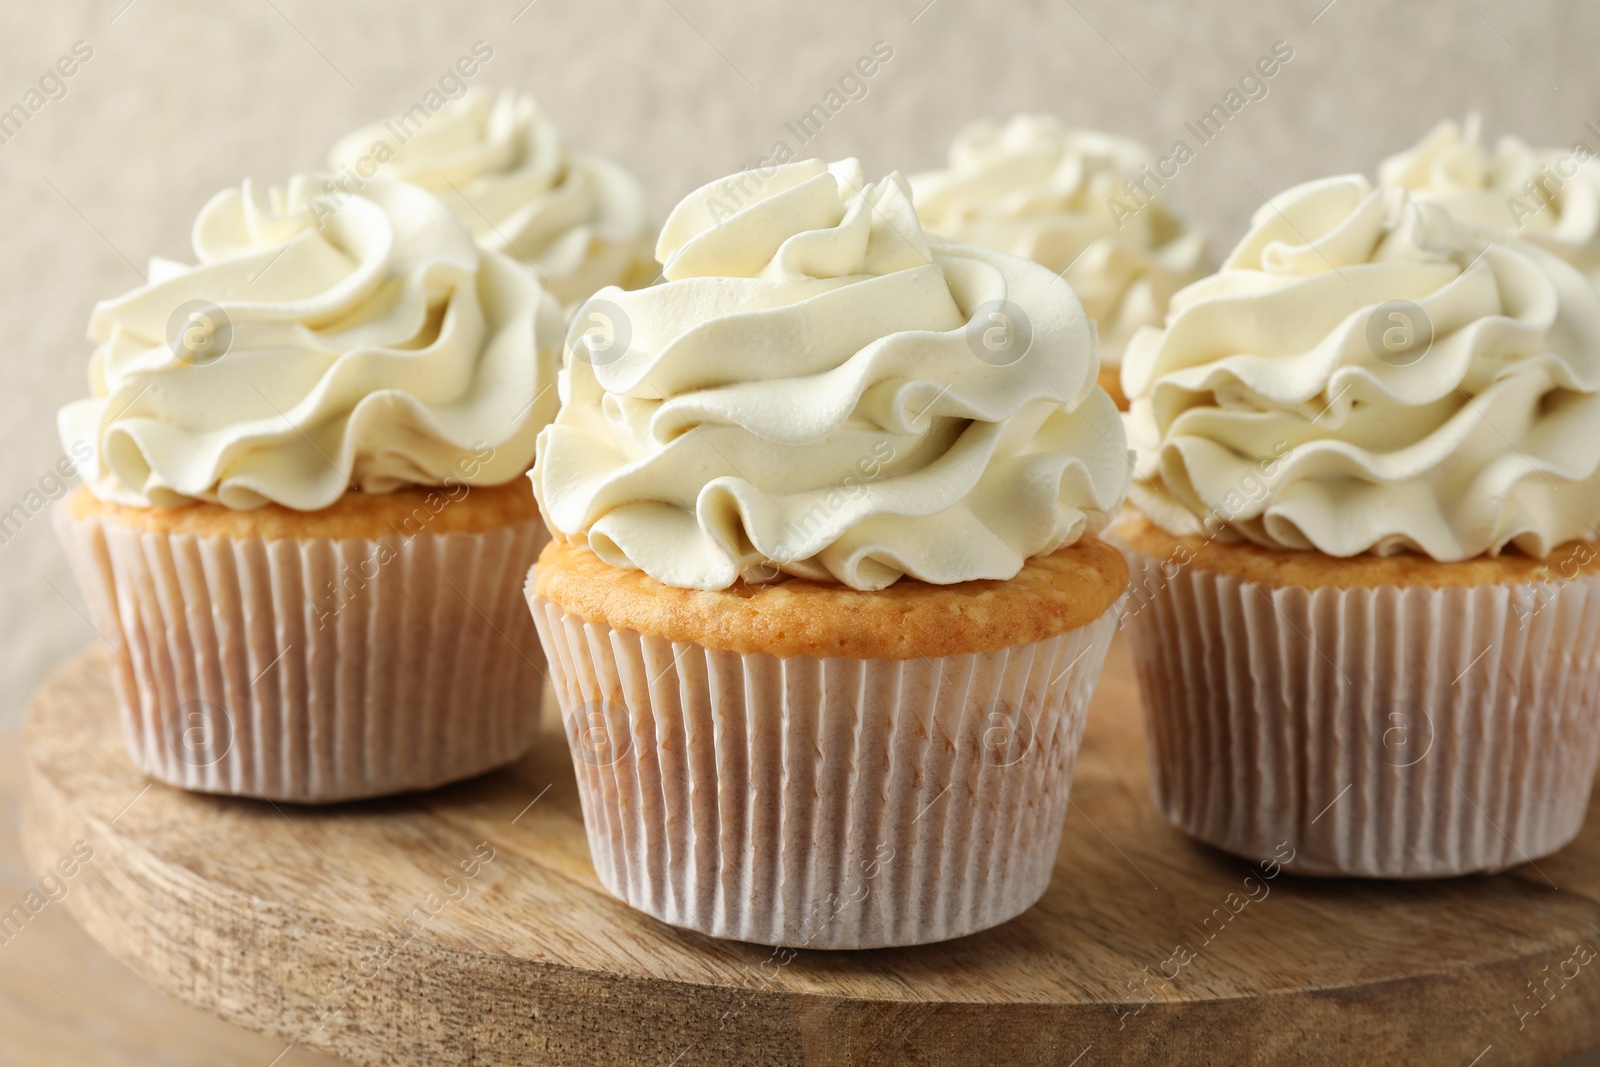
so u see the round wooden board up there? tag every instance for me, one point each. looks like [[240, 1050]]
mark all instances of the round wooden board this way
[[357, 932], [63, 1001]]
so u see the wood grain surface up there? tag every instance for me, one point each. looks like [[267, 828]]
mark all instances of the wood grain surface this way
[[466, 926], [63, 1000]]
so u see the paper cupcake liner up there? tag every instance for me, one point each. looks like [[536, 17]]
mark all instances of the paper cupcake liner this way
[[1378, 732], [821, 802], [315, 670]]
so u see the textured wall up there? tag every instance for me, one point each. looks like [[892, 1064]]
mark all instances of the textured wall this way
[[182, 97]]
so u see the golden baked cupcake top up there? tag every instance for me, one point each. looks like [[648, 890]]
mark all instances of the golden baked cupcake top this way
[[328, 339], [818, 390], [1063, 590], [1314, 570], [454, 507], [1368, 374]]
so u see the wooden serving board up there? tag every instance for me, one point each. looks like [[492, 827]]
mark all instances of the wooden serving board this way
[[466, 926], [64, 1001]]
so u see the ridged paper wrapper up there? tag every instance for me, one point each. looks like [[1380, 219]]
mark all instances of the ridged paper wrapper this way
[[821, 802], [314, 670], [1386, 732]]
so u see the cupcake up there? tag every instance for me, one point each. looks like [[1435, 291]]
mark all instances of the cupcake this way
[[1084, 204], [825, 605], [576, 221], [1366, 600], [1550, 197], [304, 523]]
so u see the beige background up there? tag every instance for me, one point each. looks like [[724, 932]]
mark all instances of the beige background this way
[[183, 97]]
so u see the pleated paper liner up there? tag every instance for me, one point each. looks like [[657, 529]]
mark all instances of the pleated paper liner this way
[[821, 802], [315, 670], [1379, 732]]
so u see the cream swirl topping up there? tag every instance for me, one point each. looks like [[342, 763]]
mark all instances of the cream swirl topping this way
[[318, 345], [818, 390], [502, 165], [1548, 196], [1045, 191], [1368, 373]]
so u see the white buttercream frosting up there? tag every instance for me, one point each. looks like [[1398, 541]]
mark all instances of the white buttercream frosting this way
[[320, 344], [1549, 196], [819, 390], [1368, 373], [1047, 192], [501, 164]]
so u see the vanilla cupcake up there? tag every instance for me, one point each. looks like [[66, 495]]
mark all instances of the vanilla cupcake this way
[[1085, 204], [303, 527], [577, 221], [1548, 196], [1366, 600], [825, 604]]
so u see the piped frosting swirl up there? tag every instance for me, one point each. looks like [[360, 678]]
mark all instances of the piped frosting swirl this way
[[320, 344], [1369, 374], [1049, 193], [504, 168], [819, 390]]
